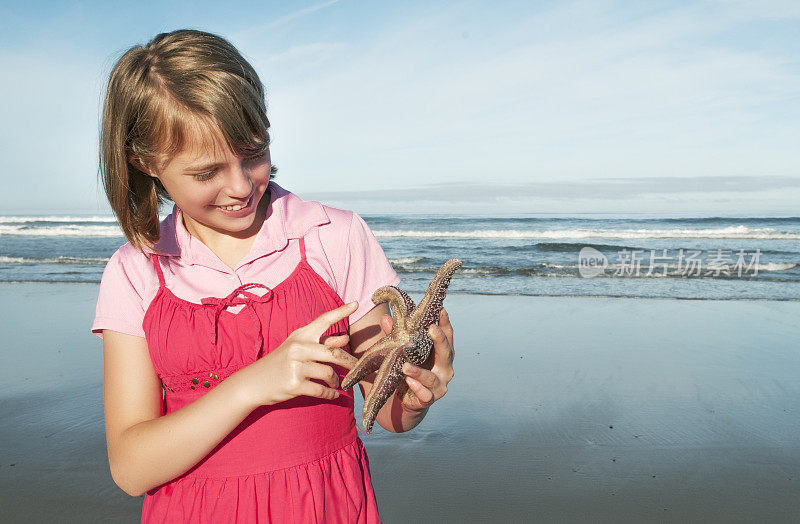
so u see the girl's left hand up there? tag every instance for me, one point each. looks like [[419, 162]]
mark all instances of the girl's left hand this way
[[430, 386]]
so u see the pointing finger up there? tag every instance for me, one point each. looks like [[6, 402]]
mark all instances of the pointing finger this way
[[321, 324]]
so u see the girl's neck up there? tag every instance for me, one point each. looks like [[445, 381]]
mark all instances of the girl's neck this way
[[230, 247]]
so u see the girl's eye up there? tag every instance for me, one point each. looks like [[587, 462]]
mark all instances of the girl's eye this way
[[202, 177]]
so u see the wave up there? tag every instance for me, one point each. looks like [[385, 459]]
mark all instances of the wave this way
[[659, 268], [61, 231], [61, 219], [81, 261], [541, 270], [776, 266], [404, 261], [569, 247], [406, 265], [470, 272], [733, 232], [104, 226], [54, 218], [724, 220]]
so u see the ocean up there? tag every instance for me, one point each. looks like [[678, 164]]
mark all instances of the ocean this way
[[545, 255]]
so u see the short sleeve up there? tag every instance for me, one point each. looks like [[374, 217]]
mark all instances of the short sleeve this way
[[120, 302], [366, 268]]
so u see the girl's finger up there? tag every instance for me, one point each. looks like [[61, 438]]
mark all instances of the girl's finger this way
[[321, 372], [442, 350], [422, 393], [315, 389], [321, 324], [335, 341], [386, 323], [332, 355], [421, 375], [446, 326]]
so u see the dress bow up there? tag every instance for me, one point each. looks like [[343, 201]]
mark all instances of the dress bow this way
[[238, 297]]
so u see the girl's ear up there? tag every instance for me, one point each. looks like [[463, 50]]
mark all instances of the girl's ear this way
[[136, 162]]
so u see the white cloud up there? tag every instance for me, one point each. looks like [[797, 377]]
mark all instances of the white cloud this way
[[257, 30], [466, 93], [698, 195], [571, 92]]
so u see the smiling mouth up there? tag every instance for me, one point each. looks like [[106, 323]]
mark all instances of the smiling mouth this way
[[237, 207]]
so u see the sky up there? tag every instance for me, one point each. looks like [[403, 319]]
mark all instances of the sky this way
[[684, 108]]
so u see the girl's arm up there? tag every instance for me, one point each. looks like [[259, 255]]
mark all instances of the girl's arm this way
[[428, 386], [146, 449]]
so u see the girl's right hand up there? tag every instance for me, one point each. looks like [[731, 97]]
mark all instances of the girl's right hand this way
[[287, 372]]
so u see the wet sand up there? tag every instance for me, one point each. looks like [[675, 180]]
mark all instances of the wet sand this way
[[562, 409]]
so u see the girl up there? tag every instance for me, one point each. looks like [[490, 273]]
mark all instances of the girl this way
[[225, 329]]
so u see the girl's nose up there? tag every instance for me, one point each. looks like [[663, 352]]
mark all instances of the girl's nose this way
[[239, 183]]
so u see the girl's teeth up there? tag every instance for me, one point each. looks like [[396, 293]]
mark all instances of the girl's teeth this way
[[232, 208]]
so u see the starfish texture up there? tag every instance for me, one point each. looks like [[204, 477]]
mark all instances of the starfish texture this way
[[409, 341]]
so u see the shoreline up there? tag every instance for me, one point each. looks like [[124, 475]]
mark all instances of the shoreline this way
[[601, 410], [483, 294]]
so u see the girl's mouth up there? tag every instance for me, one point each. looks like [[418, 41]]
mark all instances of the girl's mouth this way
[[238, 210]]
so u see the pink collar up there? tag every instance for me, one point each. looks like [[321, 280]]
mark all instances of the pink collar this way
[[288, 217]]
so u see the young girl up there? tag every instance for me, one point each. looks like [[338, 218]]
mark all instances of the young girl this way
[[228, 326]]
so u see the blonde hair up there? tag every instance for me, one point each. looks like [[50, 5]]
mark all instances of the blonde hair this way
[[156, 95]]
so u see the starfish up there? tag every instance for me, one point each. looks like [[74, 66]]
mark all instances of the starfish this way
[[408, 341]]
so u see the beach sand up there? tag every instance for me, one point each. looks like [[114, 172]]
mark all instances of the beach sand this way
[[562, 409]]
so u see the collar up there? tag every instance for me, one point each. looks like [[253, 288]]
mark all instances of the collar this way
[[288, 217]]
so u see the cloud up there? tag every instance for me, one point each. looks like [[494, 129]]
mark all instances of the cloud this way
[[607, 188], [535, 96], [257, 30], [575, 91], [693, 196]]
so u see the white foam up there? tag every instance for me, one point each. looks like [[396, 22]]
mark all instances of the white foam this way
[[776, 266], [90, 261], [61, 231], [733, 232], [405, 260], [64, 218], [54, 218]]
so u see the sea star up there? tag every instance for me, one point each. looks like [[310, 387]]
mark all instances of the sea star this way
[[408, 341]]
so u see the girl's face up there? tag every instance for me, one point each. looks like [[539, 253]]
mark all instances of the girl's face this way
[[217, 191]]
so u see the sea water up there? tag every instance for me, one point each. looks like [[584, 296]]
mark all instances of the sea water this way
[[630, 256]]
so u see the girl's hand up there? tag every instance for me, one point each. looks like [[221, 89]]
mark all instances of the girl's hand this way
[[430, 386], [289, 370]]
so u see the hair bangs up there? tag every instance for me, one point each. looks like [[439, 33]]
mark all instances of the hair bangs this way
[[235, 121]]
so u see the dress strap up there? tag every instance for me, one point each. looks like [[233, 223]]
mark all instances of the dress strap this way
[[159, 272], [302, 249]]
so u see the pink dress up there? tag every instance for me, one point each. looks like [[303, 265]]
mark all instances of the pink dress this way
[[296, 461]]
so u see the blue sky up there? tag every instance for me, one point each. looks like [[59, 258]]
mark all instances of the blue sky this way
[[606, 107]]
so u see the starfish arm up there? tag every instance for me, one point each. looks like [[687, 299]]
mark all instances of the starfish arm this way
[[389, 377], [404, 393], [399, 301], [369, 361], [427, 311], [421, 349]]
